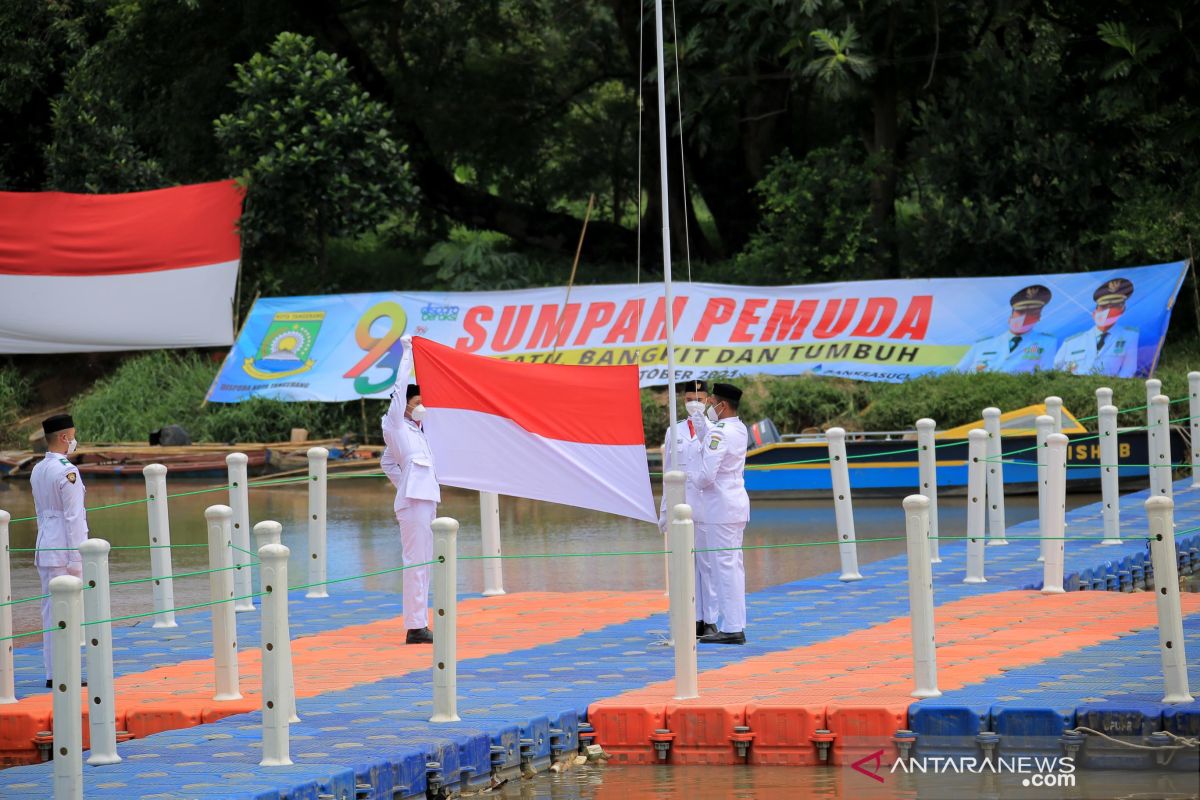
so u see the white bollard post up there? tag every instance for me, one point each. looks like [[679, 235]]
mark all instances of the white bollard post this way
[[1104, 396], [489, 524], [1194, 423], [265, 533], [318, 458], [220, 585], [276, 677], [8, 692], [1056, 507], [65, 602], [97, 608], [1110, 490], [843, 507], [976, 504], [445, 626], [1166, 584], [1153, 388], [682, 534], [1054, 411], [1044, 425], [1159, 434], [997, 527], [239, 501], [927, 474], [674, 483], [920, 597], [159, 522]]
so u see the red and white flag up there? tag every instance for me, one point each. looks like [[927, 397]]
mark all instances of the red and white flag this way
[[565, 434], [91, 272]]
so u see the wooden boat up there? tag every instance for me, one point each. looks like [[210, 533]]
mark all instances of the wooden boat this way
[[885, 464]]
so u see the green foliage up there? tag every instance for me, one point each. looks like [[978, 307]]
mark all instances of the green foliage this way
[[475, 260], [312, 148], [165, 387], [815, 218], [794, 404], [839, 64], [16, 390]]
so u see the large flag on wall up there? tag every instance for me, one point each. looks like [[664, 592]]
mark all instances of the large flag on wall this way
[[84, 273], [565, 434]]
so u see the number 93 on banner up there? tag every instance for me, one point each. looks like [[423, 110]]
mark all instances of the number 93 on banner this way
[[378, 332]]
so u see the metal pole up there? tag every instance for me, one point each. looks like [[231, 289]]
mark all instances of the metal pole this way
[[8, 693], [97, 609], [265, 533], [273, 561], [1194, 423], [489, 524], [65, 601], [445, 630], [927, 474], [1054, 410], [317, 470], [674, 482], [843, 507], [1159, 433], [159, 522], [976, 504], [997, 527], [220, 586], [239, 501], [668, 290], [1044, 425], [1056, 506], [1170, 616], [920, 597], [683, 600], [1110, 490]]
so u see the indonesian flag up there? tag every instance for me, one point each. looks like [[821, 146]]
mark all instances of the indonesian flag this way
[[565, 434], [90, 272]]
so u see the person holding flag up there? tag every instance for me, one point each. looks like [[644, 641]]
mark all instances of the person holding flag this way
[[694, 394], [408, 462], [717, 457]]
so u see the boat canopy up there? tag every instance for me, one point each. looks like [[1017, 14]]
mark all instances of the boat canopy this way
[[1017, 423]]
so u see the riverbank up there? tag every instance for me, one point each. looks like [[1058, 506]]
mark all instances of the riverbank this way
[[124, 397]]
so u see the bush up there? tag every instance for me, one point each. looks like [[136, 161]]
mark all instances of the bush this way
[[794, 404], [16, 391]]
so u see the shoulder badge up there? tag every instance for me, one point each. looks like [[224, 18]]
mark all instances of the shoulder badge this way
[[714, 444], [720, 424], [64, 462], [71, 476]]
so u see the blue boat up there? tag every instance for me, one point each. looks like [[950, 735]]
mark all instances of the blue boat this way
[[885, 464]]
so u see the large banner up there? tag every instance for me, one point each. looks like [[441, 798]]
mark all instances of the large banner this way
[[81, 273], [343, 347]]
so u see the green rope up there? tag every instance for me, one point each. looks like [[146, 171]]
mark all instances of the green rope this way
[[24, 600], [798, 544], [570, 555], [176, 575], [114, 547], [206, 604], [365, 575], [1036, 538], [244, 550], [30, 633], [1187, 530], [885, 453]]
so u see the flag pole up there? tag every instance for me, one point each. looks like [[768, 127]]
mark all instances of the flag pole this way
[[668, 293]]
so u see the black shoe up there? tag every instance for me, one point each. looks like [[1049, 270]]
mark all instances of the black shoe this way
[[705, 628], [419, 636], [721, 637]]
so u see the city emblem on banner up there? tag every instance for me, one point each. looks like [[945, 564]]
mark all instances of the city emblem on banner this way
[[286, 345]]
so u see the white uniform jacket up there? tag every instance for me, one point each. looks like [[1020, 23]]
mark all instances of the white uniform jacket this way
[[1008, 352], [685, 435], [58, 496], [1117, 356], [716, 469], [407, 459]]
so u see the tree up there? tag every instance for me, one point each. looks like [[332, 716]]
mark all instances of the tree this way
[[314, 151]]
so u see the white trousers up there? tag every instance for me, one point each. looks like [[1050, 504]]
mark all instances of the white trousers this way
[[48, 574], [706, 588], [416, 542], [728, 573]]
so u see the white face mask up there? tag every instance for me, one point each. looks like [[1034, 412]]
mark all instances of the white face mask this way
[[417, 413], [711, 413], [693, 407], [71, 445]]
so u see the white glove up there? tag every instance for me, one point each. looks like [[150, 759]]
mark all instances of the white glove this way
[[406, 340]]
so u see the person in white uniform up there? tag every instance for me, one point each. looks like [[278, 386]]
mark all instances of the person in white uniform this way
[[408, 463], [717, 470], [1108, 348], [58, 498], [694, 394], [1020, 348]]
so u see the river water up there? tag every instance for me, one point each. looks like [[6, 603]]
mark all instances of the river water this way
[[363, 537]]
